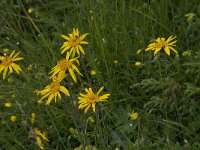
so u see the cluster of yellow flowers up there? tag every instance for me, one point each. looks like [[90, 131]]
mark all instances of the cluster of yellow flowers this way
[[72, 46]]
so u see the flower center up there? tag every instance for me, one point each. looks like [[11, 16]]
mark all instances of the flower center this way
[[54, 86], [63, 64], [73, 41], [7, 61], [161, 44], [93, 97]]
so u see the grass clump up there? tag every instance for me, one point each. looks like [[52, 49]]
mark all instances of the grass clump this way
[[99, 75]]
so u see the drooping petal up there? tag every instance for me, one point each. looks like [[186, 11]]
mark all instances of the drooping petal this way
[[10, 68], [81, 49], [75, 68], [64, 90], [167, 50], [72, 74], [94, 107], [16, 67], [1, 68], [5, 72], [50, 99], [86, 109]]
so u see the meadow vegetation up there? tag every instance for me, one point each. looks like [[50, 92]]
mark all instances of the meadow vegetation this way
[[99, 74]]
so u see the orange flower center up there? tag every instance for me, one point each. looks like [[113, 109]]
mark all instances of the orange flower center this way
[[63, 64], [73, 41], [54, 86], [93, 97], [7, 61]]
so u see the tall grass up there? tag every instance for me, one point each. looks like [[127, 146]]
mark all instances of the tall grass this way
[[164, 91]]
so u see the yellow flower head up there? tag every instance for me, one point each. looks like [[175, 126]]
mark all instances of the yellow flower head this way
[[93, 72], [32, 118], [13, 118], [115, 61], [137, 63], [40, 135], [8, 104], [138, 51], [74, 42], [90, 99], [30, 10], [91, 119], [133, 115], [66, 64], [162, 44], [53, 90], [190, 16], [7, 62]]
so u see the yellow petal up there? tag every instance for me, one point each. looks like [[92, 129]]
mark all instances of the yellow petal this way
[[1, 68], [167, 50], [81, 49], [94, 107], [86, 109], [75, 68], [16, 67], [5, 72], [10, 68], [100, 90], [65, 37], [72, 74], [50, 99], [64, 90]]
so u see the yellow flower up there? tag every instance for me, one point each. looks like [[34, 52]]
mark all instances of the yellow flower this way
[[190, 16], [30, 67], [66, 64], [53, 90], [115, 61], [10, 80], [40, 135], [30, 10], [74, 42], [185, 53], [90, 99], [8, 63], [93, 72], [39, 142], [162, 44], [138, 51], [13, 118], [133, 115], [33, 118], [8, 104], [137, 63], [91, 119]]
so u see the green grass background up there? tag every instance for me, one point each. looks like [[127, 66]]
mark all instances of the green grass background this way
[[164, 91]]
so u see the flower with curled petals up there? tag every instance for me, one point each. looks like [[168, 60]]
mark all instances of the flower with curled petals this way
[[90, 99], [53, 90], [73, 43], [7, 63], [162, 44], [66, 64]]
